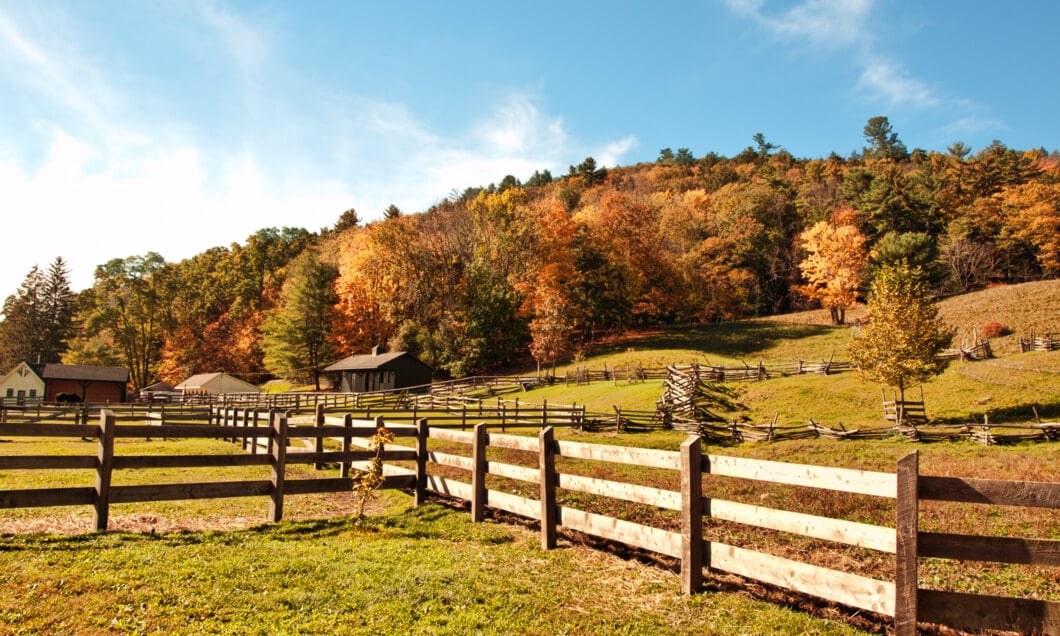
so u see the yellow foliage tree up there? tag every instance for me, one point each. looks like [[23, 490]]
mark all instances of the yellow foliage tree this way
[[835, 266]]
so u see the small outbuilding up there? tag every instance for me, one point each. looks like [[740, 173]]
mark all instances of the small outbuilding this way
[[20, 385], [215, 384], [381, 372], [159, 392], [88, 383]]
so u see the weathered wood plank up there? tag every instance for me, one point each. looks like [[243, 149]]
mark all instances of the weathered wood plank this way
[[453, 461], [691, 515], [514, 442], [619, 454], [668, 499], [197, 490], [841, 587], [906, 543], [42, 497], [839, 530], [352, 456], [515, 504], [423, 431], [50, 430], [546, 492], [974, 611], [840, 479], [32, 462], [513, 471], [447, 435], [104, 469], [312, 432], [635, 534], [478, 474], [996, 549], [1035, 494], [449, 487], [188, 461], [191, 431]]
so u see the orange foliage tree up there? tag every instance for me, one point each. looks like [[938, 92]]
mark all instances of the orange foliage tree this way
[[835, 264]]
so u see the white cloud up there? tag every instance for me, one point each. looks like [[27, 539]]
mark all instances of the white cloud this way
[[845, 25], [893, 85], [247, 44]]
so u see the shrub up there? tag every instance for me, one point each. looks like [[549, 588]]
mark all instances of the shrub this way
[[994, 330]]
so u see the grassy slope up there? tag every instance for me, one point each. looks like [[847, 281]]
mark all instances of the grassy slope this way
[[1002, 389]]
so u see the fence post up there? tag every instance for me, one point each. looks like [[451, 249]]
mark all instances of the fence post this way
[[478, 473], [319, 423], [691, 515], [101, 507], [544, 413], [422, 433], [906, 529], [547, 466], [344, 465], [278, 442]]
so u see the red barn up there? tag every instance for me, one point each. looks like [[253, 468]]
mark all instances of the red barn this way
[[89, 383]]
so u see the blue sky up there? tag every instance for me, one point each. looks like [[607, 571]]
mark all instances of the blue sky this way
[[177, 125]]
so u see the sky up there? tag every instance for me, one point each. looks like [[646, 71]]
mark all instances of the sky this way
[[173, 126]]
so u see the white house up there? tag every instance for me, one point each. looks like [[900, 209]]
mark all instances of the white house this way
[[215, 384], [20, 384]]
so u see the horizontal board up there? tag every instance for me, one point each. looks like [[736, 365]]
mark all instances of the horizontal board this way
[[189, 461], [974, 611], [447, 435], [340, 484], [634, 534], [849, 589], [1034, 494], [453, 461], [514, 442], [352, 456], [838, 530], [860, 482], [49, 430], [668, 499], [449, 487], [40, 497], [191, 431], [30, 462], [312, 432], [619, 454], [514, 503], [512, 471], [996, 549], [173, 492]]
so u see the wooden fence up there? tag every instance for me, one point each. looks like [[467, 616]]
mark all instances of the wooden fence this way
[[276, 488], [899, 596], [1048, 342]]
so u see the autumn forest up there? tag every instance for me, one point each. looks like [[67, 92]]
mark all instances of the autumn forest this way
[[536, 270]]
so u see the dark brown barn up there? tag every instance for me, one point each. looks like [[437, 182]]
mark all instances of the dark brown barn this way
[[380, 371], [89, 383]]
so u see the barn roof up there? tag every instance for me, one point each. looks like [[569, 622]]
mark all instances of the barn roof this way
[[369, 362], [218, 382], [84, 373]]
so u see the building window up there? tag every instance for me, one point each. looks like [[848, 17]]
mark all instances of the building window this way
[[33, 393], [10, 393]]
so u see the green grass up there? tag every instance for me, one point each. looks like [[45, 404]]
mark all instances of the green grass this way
[[416, 571]]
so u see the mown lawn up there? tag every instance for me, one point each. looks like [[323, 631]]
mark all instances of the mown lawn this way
[[409, 571]]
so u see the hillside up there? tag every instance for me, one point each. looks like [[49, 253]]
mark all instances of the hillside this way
[[1003, 389]]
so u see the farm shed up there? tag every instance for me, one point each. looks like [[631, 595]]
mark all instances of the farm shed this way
[[380, 372], [20, 384], [158, 392], [215, 384], [90, 383]]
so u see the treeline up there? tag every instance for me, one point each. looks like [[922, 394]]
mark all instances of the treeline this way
[[493, 274]]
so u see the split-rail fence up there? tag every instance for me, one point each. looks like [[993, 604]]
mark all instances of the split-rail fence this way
[[899, 597]]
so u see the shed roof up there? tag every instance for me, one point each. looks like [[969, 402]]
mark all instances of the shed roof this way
[[84, 373], [369, 362], [219, 382]]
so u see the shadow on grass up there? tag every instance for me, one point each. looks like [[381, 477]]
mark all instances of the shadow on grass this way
[[1021, 415], [734, 339]]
